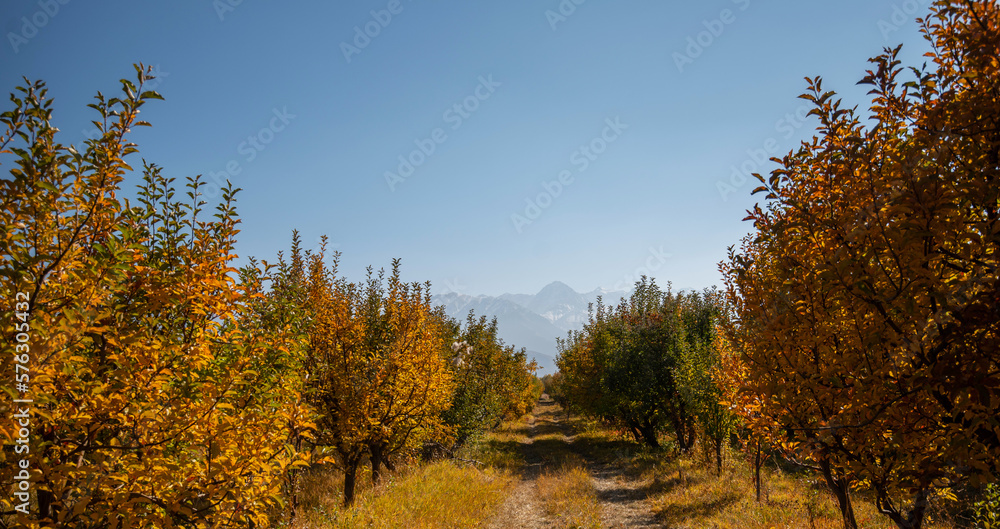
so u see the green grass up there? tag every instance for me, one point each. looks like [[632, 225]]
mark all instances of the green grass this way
[[500, 449]]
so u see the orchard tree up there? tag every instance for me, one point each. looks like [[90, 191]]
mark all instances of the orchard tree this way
[[759, 433], [152, 400], [645, 365], [716, 420], [581, 368], [375, 367], [867, 305], [555, 386]]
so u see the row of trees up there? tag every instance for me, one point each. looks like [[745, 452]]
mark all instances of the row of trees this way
[[388, 372], [646, 366], [859, 329], [866, 307], [159, 386]]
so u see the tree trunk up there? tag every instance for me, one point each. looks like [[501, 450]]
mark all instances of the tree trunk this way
[[684, 430], [718, 456], [757, 463], [46, 501], [635, 432], [292, 481], [841, 488], [350, 480], [649, 436], [914, 518], [692, 435], [377, 457]]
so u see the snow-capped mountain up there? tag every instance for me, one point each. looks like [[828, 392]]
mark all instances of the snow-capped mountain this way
[[532, 321], [558, 303]]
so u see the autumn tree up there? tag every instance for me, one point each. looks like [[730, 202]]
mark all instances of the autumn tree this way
[[376, 372], [759, 434], [580, 366], [867, 302], [276, 309], [152, 402]]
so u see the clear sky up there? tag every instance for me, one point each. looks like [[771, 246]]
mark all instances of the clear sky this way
[[493, 146]]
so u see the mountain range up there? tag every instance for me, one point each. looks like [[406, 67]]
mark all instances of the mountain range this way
[[532, 321]]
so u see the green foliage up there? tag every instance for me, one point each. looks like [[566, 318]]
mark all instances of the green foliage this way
[[646, 364], [493, 380], [986, 511]]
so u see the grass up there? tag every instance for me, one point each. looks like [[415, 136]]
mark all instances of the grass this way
[[562, 485], [440, 494], [689, 493], [681, 492], [568, 496], [501, 449]]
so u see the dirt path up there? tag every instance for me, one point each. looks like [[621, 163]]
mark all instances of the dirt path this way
[[622, 497], [522, 508]]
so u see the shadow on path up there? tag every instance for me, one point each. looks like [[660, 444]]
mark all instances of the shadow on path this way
[[621, 494]]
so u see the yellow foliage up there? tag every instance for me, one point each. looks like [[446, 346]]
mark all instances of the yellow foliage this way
[[375, 366], [146, 409]]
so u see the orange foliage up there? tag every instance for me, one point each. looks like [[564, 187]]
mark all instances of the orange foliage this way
[[867, 314]]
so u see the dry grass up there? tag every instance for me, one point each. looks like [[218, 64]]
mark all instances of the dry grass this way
[[557, 479], [568, 496], [501, 449], [556, 490], [689, 494], [441, 494]]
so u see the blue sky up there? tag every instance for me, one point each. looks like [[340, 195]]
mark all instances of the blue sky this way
[[551, 140]]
